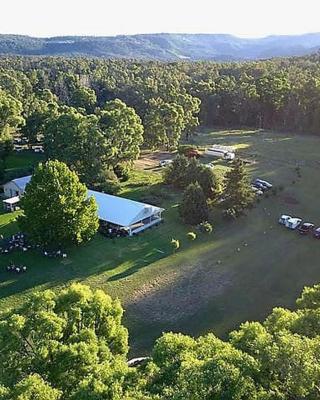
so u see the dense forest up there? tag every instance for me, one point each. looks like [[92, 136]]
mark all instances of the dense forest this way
[[96, 115]]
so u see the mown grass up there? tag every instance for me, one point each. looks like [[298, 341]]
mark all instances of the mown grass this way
[[239, 273], [23, 160]]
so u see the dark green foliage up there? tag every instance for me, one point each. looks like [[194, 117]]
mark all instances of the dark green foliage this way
[[238, 194], [183, 171], [57, 211], [122, 171], [175, 173], [184, 149], [193, 208]]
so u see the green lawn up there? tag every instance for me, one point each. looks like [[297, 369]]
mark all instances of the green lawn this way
[[24, 159], [238, 273]]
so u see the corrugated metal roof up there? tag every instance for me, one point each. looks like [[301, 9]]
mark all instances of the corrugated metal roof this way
[[121, 211], [117, 210], [22, 182]]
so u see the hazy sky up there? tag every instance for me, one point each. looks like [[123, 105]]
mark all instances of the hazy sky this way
[[252, 18]]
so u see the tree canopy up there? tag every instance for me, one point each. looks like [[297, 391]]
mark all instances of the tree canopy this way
[[56, 208]]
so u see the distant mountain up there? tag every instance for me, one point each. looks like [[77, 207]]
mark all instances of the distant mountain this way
[[163, 46]]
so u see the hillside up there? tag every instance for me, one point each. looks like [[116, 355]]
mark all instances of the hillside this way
[[219, 47]]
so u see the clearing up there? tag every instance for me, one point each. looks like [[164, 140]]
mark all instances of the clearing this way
[[240, 272]]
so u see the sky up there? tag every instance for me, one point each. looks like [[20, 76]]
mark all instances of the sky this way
[[246, 18]]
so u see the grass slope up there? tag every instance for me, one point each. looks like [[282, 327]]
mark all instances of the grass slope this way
[[241, 272]]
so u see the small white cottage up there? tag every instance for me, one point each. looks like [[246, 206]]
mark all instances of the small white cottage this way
[[16, 187]]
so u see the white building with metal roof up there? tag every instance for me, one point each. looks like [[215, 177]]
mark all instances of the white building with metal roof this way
[[16, 187], [120, 212]]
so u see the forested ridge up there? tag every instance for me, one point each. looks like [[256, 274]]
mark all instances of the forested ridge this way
[[163, 46]]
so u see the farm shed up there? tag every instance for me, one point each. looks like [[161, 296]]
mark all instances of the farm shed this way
[[119, 212]]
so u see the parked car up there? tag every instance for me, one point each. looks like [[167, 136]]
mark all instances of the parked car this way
[[209, 165], [283, 219], [305, 228], [18, 147], [316, 233], [164, 163], [264, 183], [260, 186], [38, 149], [257, 191], [193, 153], [293, 223]]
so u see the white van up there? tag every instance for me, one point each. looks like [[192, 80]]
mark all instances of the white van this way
[[227, 153]]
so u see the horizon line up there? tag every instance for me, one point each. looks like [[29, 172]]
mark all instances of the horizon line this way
[[239, 36]]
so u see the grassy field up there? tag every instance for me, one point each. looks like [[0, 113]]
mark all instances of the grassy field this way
[[240, 272]]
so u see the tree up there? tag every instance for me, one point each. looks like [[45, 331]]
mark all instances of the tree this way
[[84, 97], [183, 171], [73, 338], [193, 208], [41, 107], [77, 140], [56, 208], [175, 173], [122, 130], [237, 190], [10, 119], [164, 123], [33, 387]]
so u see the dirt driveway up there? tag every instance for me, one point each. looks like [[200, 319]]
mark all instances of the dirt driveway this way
[[151, 159]]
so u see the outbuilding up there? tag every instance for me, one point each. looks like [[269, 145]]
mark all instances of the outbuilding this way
[[16, 187]]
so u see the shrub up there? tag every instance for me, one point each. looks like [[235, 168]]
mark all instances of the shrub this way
[[110, 187], [193, 208], [122, 171], [230, 213], [184, 149], [192, 236], [205, 227], [175, 243]]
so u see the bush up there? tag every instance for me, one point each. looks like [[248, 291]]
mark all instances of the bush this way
[[192, 236], [122, 171], [205, 227], [194, 208], [184, 149], [230, 213], [109, 187], [175, 243]]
